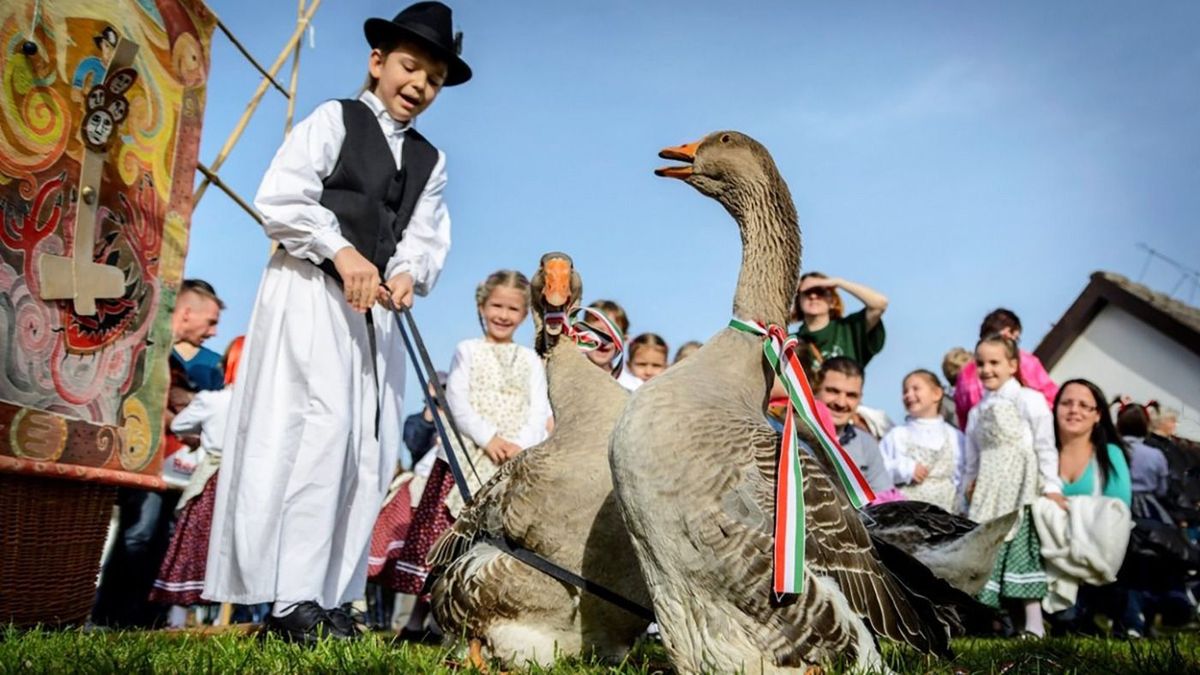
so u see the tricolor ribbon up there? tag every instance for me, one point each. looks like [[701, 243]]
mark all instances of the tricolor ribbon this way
[[780, 350], [589, 338]]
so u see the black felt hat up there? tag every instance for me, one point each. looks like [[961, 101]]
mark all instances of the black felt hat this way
[[430, 24]]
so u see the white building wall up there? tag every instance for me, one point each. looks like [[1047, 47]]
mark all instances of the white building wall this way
[[1125, 356]]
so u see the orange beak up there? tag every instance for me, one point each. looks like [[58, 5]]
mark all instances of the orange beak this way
[[556, 289], [682, 153]]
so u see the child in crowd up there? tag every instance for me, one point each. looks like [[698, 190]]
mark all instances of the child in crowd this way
[[647, 356], [687, 349], [968, 390], [952, 364], [923, 455], [606, 355], [354, 197], [840, 388], [496, 392], [181, 577], [1010, 454]]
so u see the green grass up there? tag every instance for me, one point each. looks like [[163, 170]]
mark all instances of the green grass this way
[[156, 652]]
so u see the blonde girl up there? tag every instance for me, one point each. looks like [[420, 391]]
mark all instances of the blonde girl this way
[[496, 392]]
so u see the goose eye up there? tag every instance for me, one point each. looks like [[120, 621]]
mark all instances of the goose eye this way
[[724, 138]]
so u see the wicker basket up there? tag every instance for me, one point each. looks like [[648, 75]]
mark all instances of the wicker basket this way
[[51, 537]]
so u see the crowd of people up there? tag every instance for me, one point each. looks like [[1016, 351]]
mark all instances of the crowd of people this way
[[294, 487]]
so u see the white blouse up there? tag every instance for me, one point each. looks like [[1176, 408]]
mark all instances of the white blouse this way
[[207, 413], [289, 197], [926, 432], [471, 423], [1034, 410]]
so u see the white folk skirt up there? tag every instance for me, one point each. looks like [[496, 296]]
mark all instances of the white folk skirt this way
[[303, 473]]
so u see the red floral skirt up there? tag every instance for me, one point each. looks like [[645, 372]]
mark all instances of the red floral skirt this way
[[407, 572], [391, 529], [181, 576]]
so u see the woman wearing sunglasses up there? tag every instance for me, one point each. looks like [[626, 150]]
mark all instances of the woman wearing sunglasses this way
[[818, 305]]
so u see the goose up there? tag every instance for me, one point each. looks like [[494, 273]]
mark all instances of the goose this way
[[953, 547], [693, 461], [554, 499]]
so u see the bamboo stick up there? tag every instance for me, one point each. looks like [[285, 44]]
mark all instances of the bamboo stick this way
[[254, 101], [210, 177], [229, 34], [291, 105]]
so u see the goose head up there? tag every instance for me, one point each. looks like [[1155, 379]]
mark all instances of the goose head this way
[[555, 287], [728, 166]]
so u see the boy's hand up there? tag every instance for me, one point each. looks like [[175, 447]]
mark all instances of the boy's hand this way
[[398, 291], [359, 278]]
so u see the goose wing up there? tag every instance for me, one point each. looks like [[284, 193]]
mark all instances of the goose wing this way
[[909, 523], [479, 518], [739, 529]]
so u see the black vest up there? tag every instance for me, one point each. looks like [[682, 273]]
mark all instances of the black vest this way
[[373, 201]]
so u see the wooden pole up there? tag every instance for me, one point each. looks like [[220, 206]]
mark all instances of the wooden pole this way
[[291, 104], [229, 34], [254, 101], [211, 177]]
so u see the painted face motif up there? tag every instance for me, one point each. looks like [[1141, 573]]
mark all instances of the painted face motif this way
[[122, 80], [118, 109], [98, 128], [96, 98]]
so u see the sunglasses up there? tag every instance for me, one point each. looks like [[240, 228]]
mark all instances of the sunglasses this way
[[819, 292]]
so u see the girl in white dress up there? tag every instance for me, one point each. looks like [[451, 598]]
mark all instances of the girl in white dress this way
[[1010, 459], [924, 454], [496, 392]]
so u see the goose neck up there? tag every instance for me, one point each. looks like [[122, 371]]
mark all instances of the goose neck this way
[[770, 255]]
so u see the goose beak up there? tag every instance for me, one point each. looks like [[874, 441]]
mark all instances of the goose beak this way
[[557, 287], [681, 153]]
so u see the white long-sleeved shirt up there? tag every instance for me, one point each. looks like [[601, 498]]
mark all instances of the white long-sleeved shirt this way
[[473, 424], [1034, 410], [926, 432], [207, 413], [289, 197]]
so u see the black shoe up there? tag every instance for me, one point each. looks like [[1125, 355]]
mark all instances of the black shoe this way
[[346, 621], [422, 636], [306, 624]]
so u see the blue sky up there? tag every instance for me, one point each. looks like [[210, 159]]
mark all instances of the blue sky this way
[[955, 156]]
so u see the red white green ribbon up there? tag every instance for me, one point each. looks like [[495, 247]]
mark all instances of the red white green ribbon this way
[[587, 337], [780, 350]]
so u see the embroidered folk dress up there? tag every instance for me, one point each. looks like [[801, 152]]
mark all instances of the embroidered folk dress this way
[[937, 445], [493, 389], [312, 440], [1005, 433]]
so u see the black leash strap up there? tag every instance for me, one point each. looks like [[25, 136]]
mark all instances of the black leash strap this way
[[427, 363], [568, 577], [526, 556]]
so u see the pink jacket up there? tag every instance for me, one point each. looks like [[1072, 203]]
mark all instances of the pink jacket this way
[[969, 389]]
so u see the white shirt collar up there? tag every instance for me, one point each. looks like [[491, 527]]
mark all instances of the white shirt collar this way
[[1007, 390], [925, 422], [390, 124]]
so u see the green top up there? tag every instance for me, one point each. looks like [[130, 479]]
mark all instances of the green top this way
[[1117, 484], [847, 336]]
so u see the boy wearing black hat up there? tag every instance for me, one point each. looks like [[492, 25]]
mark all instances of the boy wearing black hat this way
[[354, 198]]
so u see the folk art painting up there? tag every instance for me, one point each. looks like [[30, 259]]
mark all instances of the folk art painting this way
[[100, 116]]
